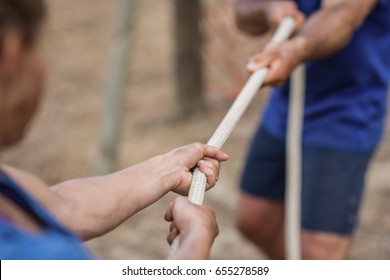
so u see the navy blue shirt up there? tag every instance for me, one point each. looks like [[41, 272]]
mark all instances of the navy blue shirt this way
[[346, 93], [53, 243]]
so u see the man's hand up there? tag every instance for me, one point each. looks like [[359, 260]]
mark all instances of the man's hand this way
[[196, 225], [276, 11], [315, 40], [281, 59], [256, 17], [184, 159]]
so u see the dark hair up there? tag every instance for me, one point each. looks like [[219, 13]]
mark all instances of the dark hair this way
[[26, 16]]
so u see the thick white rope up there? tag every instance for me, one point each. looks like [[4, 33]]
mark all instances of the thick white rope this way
[[199, 180], [294, 165]]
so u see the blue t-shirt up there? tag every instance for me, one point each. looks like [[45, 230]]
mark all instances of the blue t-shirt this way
[[53, 243], [346, 93]]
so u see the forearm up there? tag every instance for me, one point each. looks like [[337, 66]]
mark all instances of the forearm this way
[[329, 30], [324, 33], [99, 204]]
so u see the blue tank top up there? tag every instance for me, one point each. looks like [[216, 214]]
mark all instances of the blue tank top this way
[[53, 243], [346, 93]]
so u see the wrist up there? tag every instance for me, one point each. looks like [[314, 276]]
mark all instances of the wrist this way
[[170, 171], [302, 48], [155, 173], [195, 245], [202, 236]]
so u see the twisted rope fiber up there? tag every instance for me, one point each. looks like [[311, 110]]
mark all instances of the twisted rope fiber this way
[[199, 180]]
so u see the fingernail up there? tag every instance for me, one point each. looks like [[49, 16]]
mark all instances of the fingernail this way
[[226, 155]]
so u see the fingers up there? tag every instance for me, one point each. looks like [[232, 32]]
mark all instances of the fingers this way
[[172, 226], [188, 218], [280, 59], [187, 157], [277, 11], [260, 60], [276, 74], [172, 235], [297, 16], [299, 21], [174, 214], [196, 151], [215, 153], [210, 167], [168, 214]]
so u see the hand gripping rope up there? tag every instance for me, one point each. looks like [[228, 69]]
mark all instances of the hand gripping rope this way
[[199, 180]]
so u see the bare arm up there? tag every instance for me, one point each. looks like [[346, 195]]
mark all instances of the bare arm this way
[[93, 206], [332, 27], [99, 204], [323, 34]]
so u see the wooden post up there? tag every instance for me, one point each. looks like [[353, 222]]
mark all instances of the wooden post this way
[[188, 67], [118, 68]]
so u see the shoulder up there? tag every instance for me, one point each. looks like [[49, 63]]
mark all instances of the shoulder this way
[[34, 186], [26, 180]]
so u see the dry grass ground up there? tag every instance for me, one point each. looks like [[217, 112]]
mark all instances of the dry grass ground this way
[[63, 142]]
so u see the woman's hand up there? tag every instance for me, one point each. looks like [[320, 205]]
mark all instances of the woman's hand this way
[[196, 225], [185, 158], [122, 194]]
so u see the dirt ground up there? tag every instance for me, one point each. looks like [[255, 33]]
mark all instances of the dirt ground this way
[[63, 142]]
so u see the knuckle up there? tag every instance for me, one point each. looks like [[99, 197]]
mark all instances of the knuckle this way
[[198, 146]]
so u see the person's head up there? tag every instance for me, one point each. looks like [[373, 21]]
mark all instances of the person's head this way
[[22, 68]]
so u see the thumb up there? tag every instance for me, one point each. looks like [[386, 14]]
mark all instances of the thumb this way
[[259, 61]]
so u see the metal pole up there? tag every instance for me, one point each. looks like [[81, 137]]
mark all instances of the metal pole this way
[[118, 68]]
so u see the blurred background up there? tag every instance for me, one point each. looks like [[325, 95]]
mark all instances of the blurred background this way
[[177, 87]]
